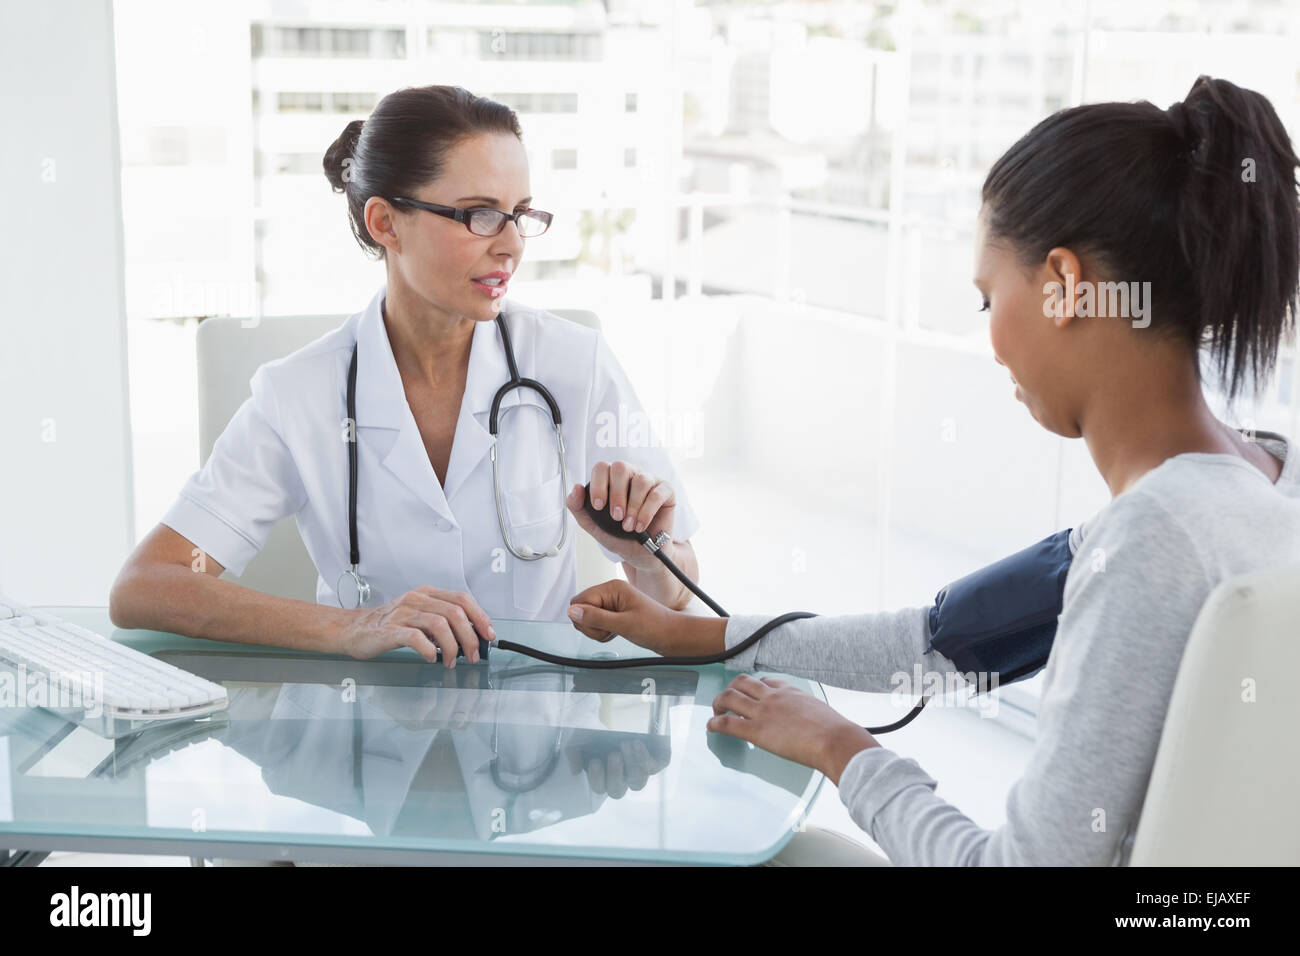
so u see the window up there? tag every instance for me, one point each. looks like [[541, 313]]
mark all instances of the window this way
[[629, 103], [564, 159], [536, 45], [629, 157], [547, 269], [317, 102], [353, 102], [539, 102], [287, 164], [268, 40], [299, 102]]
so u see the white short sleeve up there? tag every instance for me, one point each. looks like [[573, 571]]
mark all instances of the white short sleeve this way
[[248, 484], [619, 430]]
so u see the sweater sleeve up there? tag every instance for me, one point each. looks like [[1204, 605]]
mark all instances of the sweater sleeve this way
[[1132, 595], [880, 652]]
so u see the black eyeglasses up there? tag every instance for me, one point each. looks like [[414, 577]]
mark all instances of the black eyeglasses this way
[[486, 221]]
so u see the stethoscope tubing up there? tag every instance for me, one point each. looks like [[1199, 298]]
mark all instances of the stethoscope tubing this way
[[353, 571]]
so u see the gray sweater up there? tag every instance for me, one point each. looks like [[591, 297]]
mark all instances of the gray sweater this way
[[1143, 566]]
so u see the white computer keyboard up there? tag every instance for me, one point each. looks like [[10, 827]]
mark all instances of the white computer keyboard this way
[[100, 684]]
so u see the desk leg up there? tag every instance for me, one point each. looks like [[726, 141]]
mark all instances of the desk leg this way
[[22, 857]]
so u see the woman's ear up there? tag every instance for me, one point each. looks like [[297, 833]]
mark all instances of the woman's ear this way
[[1063, 285], [380, 222]]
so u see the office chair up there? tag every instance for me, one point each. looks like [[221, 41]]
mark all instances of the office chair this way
[[1226, 783], [228, 355]]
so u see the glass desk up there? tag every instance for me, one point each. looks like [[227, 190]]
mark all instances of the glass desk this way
[[394, 760]]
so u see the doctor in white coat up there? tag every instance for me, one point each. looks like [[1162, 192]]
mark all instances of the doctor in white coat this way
[[437, 186]]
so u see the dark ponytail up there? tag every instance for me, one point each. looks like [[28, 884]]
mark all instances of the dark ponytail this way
[[403, 145], [340, 156], [1200, 200]]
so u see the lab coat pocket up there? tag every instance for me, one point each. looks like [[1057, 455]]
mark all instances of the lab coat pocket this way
[[532, 506], [535, 518]]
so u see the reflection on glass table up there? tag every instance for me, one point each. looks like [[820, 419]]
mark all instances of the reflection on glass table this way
[[396, 759]]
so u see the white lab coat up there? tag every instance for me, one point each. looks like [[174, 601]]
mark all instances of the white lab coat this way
[[283, 453]]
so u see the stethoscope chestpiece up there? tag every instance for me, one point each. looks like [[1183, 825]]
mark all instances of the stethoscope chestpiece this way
[[352, 589], [528, 554]]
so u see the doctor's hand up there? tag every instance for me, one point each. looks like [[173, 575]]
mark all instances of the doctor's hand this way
[[646, 504], [783, 720], [616, 607], [640, 501], [424, 619], [450, 700]]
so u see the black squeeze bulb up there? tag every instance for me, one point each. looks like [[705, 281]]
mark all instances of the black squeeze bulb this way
[[608, 524]]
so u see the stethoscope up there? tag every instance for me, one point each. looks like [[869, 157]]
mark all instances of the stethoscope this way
[[358, 586], [525, 779]]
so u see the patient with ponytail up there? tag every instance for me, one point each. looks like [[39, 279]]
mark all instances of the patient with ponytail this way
[[1195, 204]]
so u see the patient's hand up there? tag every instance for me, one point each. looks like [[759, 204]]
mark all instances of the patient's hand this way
[[615, 607], [784, 720]]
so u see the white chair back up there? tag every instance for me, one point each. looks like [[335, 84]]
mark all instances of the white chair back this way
[[1226, 782]]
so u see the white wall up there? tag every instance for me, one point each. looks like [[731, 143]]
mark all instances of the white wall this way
[[65, 469]]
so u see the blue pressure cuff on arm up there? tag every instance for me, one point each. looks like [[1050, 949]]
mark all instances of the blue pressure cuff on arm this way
[[1002, 619]]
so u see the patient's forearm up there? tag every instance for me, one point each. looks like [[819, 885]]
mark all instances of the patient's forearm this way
[[691, 635]]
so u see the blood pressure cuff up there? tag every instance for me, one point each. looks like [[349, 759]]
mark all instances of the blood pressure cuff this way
[[1002, 619]]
